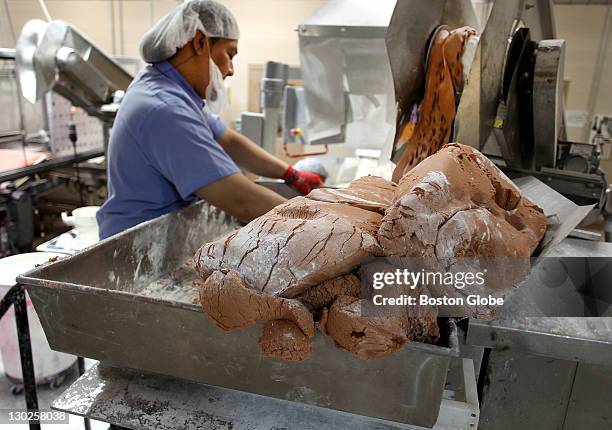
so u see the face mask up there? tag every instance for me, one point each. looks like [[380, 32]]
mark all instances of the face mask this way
[[216, 98]]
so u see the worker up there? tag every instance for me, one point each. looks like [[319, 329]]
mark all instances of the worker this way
[[168, 148]]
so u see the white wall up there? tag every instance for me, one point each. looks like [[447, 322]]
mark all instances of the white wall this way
[[581, 27]]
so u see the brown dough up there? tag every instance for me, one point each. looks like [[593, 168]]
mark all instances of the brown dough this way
[[364, 337], [422, 319], [233, 305], [283, 339], [323, 295], [443, 86], [295, 246], [458, 203], [368, 337], [372, 193]]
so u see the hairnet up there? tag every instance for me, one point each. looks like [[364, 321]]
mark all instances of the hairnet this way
[[179, 26]]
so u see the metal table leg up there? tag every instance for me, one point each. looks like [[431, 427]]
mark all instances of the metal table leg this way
[[81, 364], [482, 375], [16, 297]]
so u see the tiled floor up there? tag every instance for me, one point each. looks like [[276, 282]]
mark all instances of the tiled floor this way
[[46, 396]]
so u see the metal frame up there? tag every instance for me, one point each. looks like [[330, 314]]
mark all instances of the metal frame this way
[[554, 345], [167, 403], [556, 365], [16, 296], [163, 348], [49, 165]]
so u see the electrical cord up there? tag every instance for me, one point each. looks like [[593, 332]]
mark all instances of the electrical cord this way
[[72, 135]]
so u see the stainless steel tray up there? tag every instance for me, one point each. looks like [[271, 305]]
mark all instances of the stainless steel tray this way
[[127, 302]]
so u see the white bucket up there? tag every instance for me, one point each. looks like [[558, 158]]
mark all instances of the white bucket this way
[[47, 363], [84, 221]]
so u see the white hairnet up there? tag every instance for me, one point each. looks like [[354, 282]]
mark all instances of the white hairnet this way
[[179, 26]]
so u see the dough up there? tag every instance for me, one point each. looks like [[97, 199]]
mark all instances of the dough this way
[[458, 203], [369, 192], [323, 295], [458, 213], [295, 246], [233, 305], [368, 336], [443, 87], [283, 339]]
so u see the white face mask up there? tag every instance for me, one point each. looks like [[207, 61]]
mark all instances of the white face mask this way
[[216, 98]]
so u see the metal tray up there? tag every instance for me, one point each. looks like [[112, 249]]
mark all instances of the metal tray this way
[[127, 301]]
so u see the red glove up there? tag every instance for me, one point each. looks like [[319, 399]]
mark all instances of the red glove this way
[[301, 180]]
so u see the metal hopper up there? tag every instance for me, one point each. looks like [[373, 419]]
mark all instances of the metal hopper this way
[[127, 302]]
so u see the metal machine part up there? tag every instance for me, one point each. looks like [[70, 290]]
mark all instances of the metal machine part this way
[[563, 215], [555, 372], [578, 157], [407, 40], [348, 85], [548, 102], [347, 93], [43, 125], [608, 215], [61, 114], [514, 118], [16, 222], [56, 56], [529, 120], [126, 398], [20, 122], [272, 87], [140, 272], [511, 107], [480, 99], [548, 369], [264, 128], [545, 393]]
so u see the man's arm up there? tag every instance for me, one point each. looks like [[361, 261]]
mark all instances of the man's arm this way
[[250, 156], [239, 197]]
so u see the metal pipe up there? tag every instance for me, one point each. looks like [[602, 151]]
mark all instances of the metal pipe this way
[[599, 67], [17, 82], [43, 6], [25, 353], [607, 212]]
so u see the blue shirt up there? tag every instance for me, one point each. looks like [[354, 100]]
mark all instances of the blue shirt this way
[[163, 147]]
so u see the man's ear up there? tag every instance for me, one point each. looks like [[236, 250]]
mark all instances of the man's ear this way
[[199, 43]]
